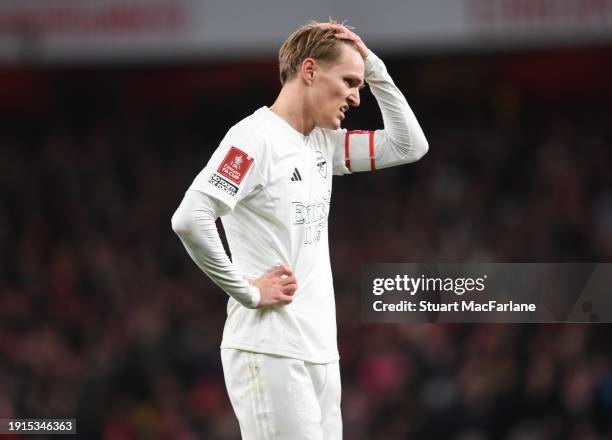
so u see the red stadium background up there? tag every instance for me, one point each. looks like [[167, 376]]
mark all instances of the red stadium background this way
[[104, 318]]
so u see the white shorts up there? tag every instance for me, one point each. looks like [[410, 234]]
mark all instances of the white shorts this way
[[276, 397]]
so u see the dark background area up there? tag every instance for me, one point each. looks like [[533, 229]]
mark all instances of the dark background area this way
[[104, 317]]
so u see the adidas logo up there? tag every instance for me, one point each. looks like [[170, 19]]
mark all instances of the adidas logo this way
[[296, 176]]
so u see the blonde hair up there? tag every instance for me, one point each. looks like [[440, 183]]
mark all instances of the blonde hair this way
[[310, 41]]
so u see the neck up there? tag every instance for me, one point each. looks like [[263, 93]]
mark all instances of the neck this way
[[290, 105]]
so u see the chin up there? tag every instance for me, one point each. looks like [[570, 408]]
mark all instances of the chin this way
[[330, 124], [335, 124]]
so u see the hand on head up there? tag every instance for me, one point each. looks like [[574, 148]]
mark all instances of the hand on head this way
[[344, 33]]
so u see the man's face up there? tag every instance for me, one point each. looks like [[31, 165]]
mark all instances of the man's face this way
[[336, 88]]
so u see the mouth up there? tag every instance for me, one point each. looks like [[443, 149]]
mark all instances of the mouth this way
[[343, 110]]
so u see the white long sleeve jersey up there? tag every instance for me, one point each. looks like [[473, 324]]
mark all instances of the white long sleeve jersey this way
[[274, 186]]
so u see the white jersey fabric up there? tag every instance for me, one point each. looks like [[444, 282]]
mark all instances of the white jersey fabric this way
[[279, 216], [275, 185]]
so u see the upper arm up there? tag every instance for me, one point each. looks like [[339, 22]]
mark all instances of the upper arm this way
[[352, 150], [235, 170], [369, 150]]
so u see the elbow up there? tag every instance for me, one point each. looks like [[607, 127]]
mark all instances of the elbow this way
[[181, 223], [193, 213], [421, 147], [413, 148], [416, 147]]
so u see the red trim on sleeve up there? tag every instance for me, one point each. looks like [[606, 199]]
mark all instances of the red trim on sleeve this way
[[372, 160], [347, 159]]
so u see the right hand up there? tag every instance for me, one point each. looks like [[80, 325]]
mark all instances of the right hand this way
[[276, 287]]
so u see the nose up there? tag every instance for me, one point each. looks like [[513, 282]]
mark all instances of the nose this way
[[353, 99]]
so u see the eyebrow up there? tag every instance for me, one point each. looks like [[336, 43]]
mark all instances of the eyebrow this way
[[354, 79]]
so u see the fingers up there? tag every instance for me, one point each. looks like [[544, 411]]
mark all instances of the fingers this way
[[289, 289], [345, 36], [350, 36], [285, 299], [288, 280], [278, 286], [343, 33], [284, 295], [276, 298]]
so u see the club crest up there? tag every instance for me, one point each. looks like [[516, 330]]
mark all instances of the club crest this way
[[321, 164]]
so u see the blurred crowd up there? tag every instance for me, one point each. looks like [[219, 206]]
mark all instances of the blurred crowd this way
[[104, 318]]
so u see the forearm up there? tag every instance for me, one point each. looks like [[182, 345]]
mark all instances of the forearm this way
[[194, 223], [402, 140]]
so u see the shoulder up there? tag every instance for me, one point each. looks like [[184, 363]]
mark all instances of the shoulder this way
[[253, 128], [250, 135]]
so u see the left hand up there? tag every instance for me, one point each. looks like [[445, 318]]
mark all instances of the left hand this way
[[344, 33]]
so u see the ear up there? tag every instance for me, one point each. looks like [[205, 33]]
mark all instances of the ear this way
[[308, 70]]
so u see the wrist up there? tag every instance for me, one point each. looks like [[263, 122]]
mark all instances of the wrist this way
[[253, 292], [254, 296], [373, 64], [365, 52]]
